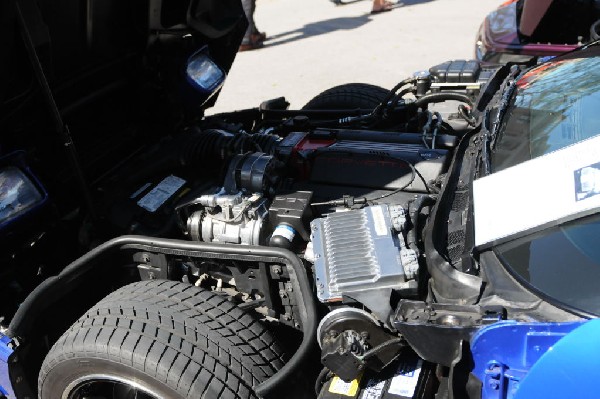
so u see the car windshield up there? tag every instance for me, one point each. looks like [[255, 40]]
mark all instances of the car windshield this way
[[562, 262], [556, 105]]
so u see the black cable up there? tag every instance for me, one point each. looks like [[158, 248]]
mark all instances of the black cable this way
[[321, 380], [396, 191], [392, 92], [424, 181], [465, 113], [397, 99], [349, 201], [375, 351]]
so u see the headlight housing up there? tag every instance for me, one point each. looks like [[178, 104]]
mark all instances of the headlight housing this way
[[20, 192], [203, 73]]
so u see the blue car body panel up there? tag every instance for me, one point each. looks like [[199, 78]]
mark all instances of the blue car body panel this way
[[5, 353], [507, 352], [570, 370]]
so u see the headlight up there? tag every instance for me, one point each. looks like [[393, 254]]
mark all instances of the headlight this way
[[203, 73], [20, 192], [17, 194]]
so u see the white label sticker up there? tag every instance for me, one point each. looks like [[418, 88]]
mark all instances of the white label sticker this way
[[161, 193], [405, 381], [565, 181], [342, 387], [379, 221], [373, 390], [140, 190]]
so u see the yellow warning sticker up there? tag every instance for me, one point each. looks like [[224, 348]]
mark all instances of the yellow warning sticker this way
[[342, 387]]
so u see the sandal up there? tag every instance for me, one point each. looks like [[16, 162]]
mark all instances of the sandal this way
[[255, 42], [259, 36], [253, 45], [387, 6]]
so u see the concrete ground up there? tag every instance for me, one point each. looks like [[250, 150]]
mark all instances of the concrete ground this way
[[315, 45]]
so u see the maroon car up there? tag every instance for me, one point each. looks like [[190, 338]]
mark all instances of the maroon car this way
[[519, 29]]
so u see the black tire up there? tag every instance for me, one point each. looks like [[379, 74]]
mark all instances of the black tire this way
[[349, 96], [171, 339]]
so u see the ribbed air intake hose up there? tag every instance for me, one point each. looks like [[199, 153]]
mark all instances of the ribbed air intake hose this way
[[214, 145]]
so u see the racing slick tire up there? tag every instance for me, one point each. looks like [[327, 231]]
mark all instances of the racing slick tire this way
[[161, 339], [348, 96]]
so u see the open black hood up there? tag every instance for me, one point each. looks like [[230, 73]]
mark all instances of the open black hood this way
[[115, 71], [79, 41]]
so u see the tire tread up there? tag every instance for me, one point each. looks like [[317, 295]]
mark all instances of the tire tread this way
[[194, 341], [348, 96]]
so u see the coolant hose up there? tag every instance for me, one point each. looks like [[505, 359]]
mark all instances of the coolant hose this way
[[56, 287], [441, 97], [414, 210]]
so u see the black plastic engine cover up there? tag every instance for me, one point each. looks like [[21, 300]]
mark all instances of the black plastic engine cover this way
[[377, 165]]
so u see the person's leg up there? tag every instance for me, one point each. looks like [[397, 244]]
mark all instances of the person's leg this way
[[258, 35], [252, 39], [249, 7]]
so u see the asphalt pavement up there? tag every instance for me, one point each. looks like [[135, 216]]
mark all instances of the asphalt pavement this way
[[314, 45]]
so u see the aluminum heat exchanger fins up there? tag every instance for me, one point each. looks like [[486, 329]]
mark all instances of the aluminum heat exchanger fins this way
[[357, 251]]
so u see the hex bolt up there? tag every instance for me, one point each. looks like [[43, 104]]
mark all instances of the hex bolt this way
[[277, 270]]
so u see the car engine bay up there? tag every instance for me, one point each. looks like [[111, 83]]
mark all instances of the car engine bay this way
[[344, 230]]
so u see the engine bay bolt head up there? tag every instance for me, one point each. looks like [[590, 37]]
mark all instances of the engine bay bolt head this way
[[277, 270]]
